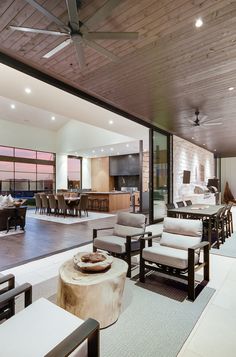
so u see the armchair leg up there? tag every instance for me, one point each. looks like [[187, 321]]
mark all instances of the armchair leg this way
[[142, 263], [207, 263], [128, 255], [191, 275]]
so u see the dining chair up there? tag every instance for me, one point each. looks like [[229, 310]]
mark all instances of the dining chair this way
[[180, 204], [38, 203], [83, 205], [63, 208], [188, 203], [45, 203], [53, 205]]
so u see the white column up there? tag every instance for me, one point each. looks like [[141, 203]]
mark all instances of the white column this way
[[61, 171]]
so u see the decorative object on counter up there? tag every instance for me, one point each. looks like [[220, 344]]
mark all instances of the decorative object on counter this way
[[92, 262]]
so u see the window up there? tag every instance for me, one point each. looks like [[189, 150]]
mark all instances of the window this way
[[74, 172], [24, 172]]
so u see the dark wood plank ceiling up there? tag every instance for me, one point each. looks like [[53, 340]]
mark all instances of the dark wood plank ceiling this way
[[172, 69]]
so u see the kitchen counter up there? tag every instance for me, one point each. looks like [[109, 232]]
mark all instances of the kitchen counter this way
[[115, 200]]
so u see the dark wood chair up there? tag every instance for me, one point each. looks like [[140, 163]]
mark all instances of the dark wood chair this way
[[38, 203], [188, 203], [63, 208], [83, 205], [45, 203], [53, 205], [180, 204], [176, 254]]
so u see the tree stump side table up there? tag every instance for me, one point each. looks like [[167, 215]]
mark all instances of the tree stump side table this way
[[95, 295]]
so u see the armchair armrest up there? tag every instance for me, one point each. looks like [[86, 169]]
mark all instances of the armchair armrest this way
[[88, 330], [95, 230], [10, 279], [200, 245], [11, 294], [151, 237], [138, 234]]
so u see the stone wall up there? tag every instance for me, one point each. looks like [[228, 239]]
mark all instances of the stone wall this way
[[190, 157]]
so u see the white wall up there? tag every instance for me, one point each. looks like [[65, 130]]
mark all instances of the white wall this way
[[75, 136], [228, 170], [26, 137], [187, 156], [86, 173], [61, 171]]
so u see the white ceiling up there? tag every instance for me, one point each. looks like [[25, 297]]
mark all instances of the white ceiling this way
[[44, 101]]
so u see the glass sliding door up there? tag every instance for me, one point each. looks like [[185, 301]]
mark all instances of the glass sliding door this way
[[160, 174]]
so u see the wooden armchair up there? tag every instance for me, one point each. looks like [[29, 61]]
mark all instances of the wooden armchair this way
[[177, 253], [43, 328], [124, 241]]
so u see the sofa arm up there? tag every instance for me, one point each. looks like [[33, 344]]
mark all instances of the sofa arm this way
[[200, 245], [142, 235]]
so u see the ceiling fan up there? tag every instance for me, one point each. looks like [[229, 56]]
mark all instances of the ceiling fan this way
[[77, 32], [201, 121]]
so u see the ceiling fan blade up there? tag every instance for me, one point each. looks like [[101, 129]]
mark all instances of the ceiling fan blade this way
[[45, 32], [47, 13], [102, 13], [73, 14], [57, 49], [202, 119], [77, 41], [190, 121], [111, 35], [101, 50], [209, 124]]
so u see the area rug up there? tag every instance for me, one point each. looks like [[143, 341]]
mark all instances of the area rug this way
[[69, 219], [156, 319], [11, 232], [228, 249]]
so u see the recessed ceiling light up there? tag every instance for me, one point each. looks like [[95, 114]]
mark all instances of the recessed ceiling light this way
[[27, 90], [214, 149], [13, 106], [231, 88], [53, 118], [111, 122], [118, 153], [111, 149], [192, 138], [204, 144], [199, 22], [93, 151], [127, 145], [102, 150]]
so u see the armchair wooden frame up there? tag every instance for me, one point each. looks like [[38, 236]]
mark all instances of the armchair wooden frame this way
[[9, 293], [186, 274], [128, 253], [89, 330]]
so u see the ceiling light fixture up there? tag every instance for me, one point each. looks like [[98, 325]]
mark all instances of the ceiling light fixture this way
[[93, 151], [102, 150], [13, 106], [204, 144], [199, 22], [53, 118], [127, 145], [231, 88], [111, 149], [192, 138], [118, 153], [111, 122], [27, 90]]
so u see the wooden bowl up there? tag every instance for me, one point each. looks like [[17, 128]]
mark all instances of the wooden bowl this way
[[91, 266]]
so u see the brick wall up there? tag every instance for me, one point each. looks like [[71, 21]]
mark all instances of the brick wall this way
[[190, 157]]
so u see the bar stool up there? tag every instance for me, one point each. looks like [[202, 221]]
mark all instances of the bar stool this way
[[103, 204]]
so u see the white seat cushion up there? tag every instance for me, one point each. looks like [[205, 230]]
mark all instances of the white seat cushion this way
[[176, 258], [114, 244]]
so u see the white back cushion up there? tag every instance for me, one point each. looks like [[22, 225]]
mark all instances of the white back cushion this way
[[129, 224], [181, 233]]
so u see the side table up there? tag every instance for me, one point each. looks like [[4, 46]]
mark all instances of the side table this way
[[95, 295]]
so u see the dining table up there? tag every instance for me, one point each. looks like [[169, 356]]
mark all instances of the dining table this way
[[197, 211]]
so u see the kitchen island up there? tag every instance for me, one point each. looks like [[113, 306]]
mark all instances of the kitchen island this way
[[112, 201]]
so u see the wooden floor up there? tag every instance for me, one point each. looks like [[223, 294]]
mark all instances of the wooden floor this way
[[43, 238]]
